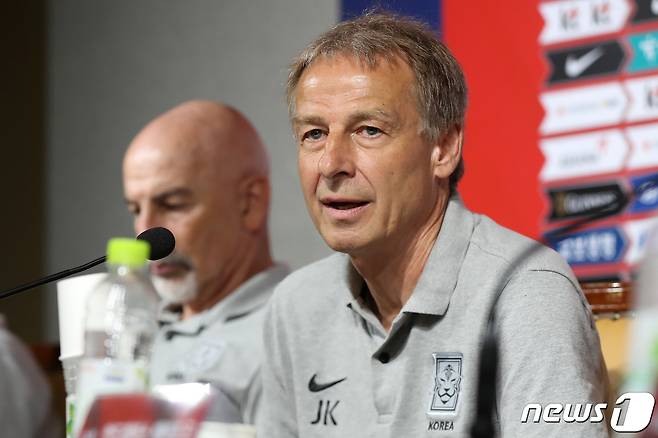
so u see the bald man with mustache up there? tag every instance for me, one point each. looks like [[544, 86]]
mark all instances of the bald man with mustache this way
[[202, 171]]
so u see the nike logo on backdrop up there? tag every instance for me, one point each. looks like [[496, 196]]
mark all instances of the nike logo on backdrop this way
[[575, 66], [314, 386]]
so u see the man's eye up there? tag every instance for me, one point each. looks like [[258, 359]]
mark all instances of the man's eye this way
[[174, 206], [370, 131], [313, 134], [133, 209]]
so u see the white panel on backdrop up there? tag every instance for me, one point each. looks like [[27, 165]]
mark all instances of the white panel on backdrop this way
[[644, 141], [582, 108], [583, 155], [567, 20]]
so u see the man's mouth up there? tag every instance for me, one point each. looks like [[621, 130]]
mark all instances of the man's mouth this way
[[169, 269], [344, 209], [344, 205]]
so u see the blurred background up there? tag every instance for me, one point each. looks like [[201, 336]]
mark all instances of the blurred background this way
[[82, 78]]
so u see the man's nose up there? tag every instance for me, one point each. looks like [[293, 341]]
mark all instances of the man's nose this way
[[146, 219], [337, 157]]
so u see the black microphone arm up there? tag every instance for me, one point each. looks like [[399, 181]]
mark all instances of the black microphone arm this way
[[161, 241], [52, 277]]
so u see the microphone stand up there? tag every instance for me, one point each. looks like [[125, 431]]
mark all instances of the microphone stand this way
[[52, 277], [161, 243]]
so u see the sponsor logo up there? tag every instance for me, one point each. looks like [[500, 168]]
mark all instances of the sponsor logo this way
[[574, 202], [599, 105], [325, 411], [645, 51], [644, 151], [603, 245], [581, 108], [644, 98], [646, 193], [585, 61], [568, 20], [314, 386], [638, 232], [637, 407], [645, 10], [574, 66], [447, 382], [583, 155]]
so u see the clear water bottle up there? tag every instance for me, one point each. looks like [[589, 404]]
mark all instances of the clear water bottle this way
[[120, 325], [642, 374]]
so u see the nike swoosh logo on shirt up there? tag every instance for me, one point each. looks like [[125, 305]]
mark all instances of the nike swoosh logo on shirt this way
[[575, 66], [314, 386]]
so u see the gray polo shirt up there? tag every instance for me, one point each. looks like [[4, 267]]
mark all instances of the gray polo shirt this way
[[222, 345], [332, 370]]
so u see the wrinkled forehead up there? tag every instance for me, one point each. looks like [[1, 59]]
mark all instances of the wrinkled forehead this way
[[367, 62], [346, 86], [390, 76]]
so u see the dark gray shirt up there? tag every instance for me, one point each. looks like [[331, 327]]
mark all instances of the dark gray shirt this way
[[332, 370]]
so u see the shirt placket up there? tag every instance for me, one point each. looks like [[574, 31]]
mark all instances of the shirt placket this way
[[386, 367]]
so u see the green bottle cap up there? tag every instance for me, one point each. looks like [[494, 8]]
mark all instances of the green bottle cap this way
[[129, 252]]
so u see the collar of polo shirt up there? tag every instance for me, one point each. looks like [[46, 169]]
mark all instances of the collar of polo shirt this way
[[240, 302], [435, 286]]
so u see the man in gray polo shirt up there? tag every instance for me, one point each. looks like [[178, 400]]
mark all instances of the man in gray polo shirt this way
[[201, 170], [384, 338]]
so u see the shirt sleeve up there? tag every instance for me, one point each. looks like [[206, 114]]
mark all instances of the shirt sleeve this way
[[278, 413], [25, 409], [549, 353]]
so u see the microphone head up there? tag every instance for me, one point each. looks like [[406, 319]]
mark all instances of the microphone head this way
[[162, 242]]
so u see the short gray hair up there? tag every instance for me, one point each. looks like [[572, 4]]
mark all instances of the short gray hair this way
[[440, 85]]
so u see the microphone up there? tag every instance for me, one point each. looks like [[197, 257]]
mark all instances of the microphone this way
[[161, 241]]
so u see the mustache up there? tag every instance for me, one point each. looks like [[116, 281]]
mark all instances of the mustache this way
[[178, 259]]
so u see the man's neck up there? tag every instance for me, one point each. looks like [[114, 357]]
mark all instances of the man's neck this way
[[392, 274], [233, 280]]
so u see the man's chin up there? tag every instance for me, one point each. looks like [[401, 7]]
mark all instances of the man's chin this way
[[350, 244], [176, 290], [169, 272]]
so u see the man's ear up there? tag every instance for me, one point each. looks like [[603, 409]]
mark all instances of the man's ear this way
[[255, 202], [447, 152]]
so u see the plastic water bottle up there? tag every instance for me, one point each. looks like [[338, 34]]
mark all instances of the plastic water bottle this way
[[642, 373], [120, 326], [643, 344]]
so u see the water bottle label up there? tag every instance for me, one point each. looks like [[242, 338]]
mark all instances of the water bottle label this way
[[106, 376]]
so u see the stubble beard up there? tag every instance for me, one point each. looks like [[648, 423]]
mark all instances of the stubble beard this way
[[179, 290]]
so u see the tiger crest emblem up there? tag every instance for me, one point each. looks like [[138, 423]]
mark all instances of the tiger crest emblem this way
[[447, 382]]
